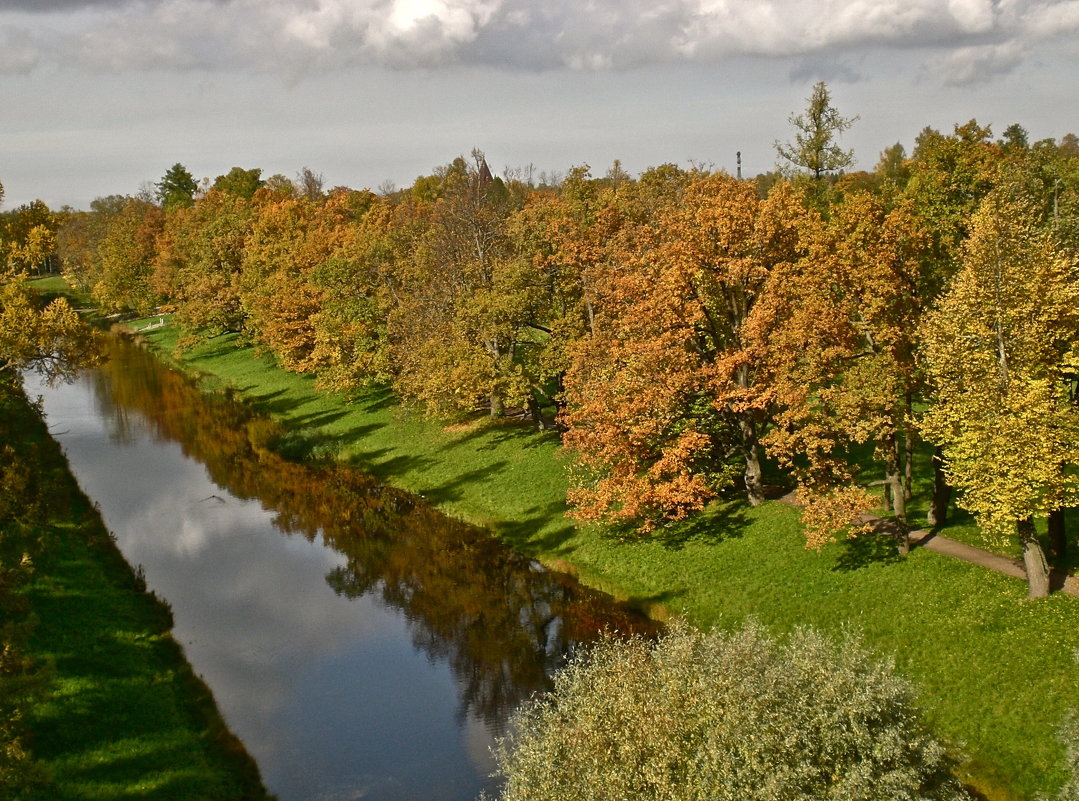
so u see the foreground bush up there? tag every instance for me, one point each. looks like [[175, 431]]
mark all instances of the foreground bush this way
[[721, 716]]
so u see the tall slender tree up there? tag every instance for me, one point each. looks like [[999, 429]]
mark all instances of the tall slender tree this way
[[814, 147]]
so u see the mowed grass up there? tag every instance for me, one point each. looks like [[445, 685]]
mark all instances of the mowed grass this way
[[125, 716], [995, 671]]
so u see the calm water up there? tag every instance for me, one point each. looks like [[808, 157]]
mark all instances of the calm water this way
[[359, 643]]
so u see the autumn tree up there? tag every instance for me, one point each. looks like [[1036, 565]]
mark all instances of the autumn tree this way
[[198, 263], [37, 251], [564, 235], [52, 340], [290, 238], [465, 284], [662, 403], [29, 234], [309, 184], [836, 333], [123, 261], [1002, 350]]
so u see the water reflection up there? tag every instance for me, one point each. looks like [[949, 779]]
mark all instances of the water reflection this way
[[378, 667]]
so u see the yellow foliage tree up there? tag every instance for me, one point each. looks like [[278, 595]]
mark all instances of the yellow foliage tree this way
[[1003, 350], [53, 340]]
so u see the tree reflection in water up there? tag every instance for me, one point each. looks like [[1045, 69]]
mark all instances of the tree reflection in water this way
[[499, 620]]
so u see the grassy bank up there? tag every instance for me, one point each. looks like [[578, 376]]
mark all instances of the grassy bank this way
[[996, 672], [125, 716]]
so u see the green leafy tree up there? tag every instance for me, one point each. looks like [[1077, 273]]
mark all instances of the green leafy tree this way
[[79, 237], [949, 177], [462, 301], [240, 182], [351, 345], [814, 147], [725, 717], [1002, 350], [177, 188]]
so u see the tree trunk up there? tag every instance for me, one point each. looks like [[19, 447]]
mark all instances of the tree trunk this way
[[942, 493], [537, 414], [751, 448], [908, 464], [1058, 536], [899, 509], [496, 405], [1033, 559], [895, 488]]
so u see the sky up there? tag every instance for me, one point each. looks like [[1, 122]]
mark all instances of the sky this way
[[101, 97]]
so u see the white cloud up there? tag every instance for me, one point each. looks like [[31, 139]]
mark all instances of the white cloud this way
[[970, 65], [977, 37]]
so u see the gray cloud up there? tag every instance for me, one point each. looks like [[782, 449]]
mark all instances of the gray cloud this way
[[979, 39], [48, 6]]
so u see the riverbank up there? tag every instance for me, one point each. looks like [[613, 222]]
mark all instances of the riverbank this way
[[996, 672], [124, 715]]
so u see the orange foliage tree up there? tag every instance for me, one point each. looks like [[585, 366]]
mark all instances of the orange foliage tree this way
[[289, 239], [836, 333], [662, 399]]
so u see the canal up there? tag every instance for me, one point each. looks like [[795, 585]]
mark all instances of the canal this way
[[361, 644]]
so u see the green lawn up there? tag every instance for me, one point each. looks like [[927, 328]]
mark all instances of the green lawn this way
[[996, 672], [125, 716]]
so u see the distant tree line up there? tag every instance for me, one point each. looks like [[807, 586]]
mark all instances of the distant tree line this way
[[676, 326]]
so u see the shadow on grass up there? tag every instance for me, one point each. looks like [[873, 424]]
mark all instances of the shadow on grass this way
[[374, 463], [308, 443], [373, 400], [496, 432], [864, 550], [527, 536], [223, 345], [651, 604], [720, 522], [454, 489]]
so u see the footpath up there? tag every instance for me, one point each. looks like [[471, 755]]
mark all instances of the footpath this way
[[1058, 579]]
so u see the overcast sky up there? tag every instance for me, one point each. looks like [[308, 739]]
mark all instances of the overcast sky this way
[[101, 96]]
